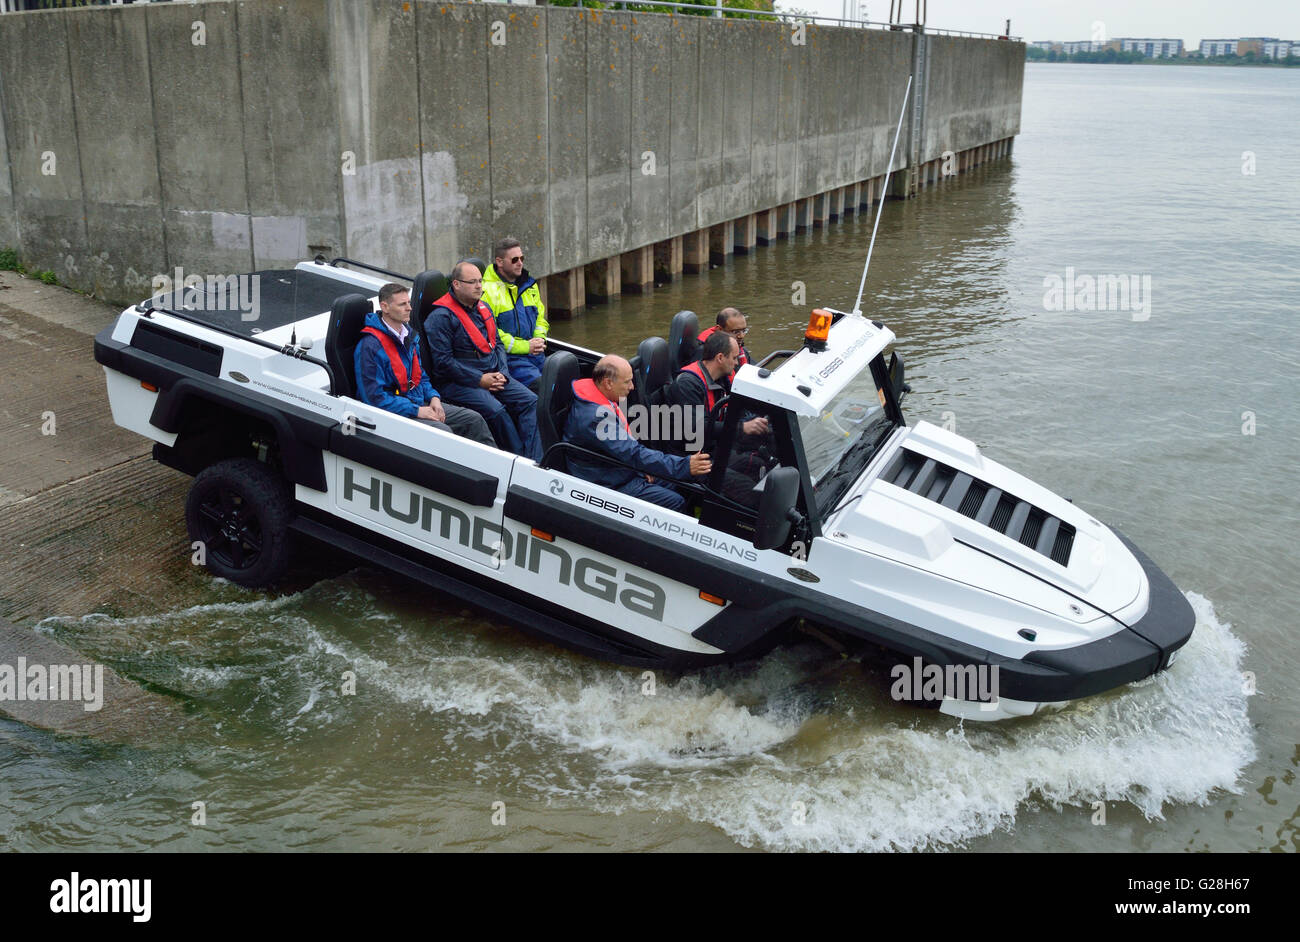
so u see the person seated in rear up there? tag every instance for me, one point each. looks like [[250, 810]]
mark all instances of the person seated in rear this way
[[516, 303], [731, 321], [469, 361], [389, 375], [596, 422]]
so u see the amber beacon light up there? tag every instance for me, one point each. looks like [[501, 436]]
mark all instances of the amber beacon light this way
[[819, 326]]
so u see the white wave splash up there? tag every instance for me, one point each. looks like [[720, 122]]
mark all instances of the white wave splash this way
[[860, 777], [774, 755]]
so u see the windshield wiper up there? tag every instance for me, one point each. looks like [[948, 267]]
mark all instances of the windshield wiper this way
[[848, 465]]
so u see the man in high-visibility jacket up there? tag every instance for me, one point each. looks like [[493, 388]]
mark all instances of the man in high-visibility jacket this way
[[389, 375], [469, 362], [516, 302]]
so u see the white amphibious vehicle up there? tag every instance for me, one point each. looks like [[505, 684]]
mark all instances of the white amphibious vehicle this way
[[879, 534]]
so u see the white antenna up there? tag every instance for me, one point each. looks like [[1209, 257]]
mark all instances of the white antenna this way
[[857, 310]]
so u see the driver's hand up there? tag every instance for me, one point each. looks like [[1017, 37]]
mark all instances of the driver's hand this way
[[757, 426], [700, 464]]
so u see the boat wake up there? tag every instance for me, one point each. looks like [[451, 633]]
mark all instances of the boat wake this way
[[800, 751], [787, 755]]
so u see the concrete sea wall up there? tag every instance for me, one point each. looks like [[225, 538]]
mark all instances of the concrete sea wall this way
[[235, 135]]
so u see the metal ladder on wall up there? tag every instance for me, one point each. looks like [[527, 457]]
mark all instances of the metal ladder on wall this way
[[920, 75]]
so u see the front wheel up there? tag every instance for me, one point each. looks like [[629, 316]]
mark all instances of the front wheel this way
[[239, 511]]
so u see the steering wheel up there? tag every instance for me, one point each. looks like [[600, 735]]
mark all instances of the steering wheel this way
[[714, 415]]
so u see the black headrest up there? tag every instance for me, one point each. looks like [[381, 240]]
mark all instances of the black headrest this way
[[347, 318], [554, 397], [652, 373], [634, 397], [427, 287], [476, 261], [683, 347]]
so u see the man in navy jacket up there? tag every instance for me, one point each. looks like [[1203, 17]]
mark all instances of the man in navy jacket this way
[[389, 374], [469, 362], [596, 422]]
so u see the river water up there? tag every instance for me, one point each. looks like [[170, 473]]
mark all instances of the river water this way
[[1171, 418]]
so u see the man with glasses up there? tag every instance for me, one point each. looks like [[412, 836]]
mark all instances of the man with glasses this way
[[732, 321], [516, 302], [469, 362]]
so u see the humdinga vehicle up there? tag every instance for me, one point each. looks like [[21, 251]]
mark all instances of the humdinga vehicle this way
[[876, 533]]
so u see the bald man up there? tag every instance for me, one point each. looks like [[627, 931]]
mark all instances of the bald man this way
[[597, 423]]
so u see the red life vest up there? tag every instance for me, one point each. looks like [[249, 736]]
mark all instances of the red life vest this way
[[404, 383], [588, 391], [484, 344], [698, 369], [740, 360]]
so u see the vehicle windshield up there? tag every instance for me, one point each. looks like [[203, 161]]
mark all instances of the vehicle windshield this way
[[840, 441]]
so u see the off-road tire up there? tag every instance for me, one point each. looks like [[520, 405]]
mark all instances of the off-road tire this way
[[240, 510]]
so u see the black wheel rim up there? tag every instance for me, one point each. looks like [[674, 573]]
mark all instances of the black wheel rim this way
[[229, 529]]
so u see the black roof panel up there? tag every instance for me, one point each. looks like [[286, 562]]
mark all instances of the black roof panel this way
[[258, 301]]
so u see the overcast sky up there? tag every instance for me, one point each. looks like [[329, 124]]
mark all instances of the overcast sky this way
[[1188, 20]]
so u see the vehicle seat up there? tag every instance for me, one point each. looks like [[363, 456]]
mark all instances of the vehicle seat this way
[[476, 261], [427, 287], [637, 396], [652, 374], [554, 397], [683, 345], [347, 318]]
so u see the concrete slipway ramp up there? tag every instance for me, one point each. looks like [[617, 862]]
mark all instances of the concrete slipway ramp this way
[[88, 522], [109, 707]]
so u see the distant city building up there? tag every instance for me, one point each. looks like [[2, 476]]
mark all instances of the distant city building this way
[[1266, 47], [1255, 44], [1218, 47], [1155, 48], [1085, 46]]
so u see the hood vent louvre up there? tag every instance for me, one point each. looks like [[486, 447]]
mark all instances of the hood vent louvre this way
[[986, 505]]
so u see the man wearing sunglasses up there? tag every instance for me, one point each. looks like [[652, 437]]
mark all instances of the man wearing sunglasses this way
[[469, 363], [516, 302]]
